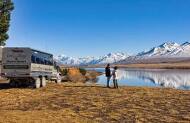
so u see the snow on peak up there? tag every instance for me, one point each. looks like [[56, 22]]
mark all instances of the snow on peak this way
[[109, 58], [113, 57], [169, 45], [168, 49], [185, 44]]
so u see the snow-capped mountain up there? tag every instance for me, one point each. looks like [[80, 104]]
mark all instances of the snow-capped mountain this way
[[109, 58], [169, 49], [166, 52], [63, 59]]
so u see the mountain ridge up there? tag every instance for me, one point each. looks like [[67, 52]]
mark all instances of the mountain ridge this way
[[108, 58], [168, 51]]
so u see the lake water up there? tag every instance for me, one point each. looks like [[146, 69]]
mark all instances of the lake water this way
[[170, 78]]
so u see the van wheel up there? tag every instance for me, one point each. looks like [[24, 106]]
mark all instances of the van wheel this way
[[43, 84], [37, 83], [12, 83], [58, 81]]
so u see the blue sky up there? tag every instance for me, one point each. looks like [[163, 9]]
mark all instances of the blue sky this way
[[97, 27]]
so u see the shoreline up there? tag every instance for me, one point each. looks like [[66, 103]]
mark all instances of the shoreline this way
[[180, 65], [132, 86]]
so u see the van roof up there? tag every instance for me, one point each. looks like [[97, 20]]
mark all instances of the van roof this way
[[31, 49]]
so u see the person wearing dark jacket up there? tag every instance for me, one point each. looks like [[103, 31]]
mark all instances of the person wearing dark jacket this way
[[108, 74]]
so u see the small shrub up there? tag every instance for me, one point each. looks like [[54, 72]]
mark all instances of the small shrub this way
[[74, 75], [82, 71], [64, 72]]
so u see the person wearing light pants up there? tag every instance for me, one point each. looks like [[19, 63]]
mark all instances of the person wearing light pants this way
[[115, 77]]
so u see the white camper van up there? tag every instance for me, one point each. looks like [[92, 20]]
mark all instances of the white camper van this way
[[28, 66]]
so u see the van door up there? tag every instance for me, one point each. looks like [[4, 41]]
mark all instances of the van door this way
[[16, 62]]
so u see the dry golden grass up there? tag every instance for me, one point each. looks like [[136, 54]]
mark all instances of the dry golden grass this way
[[74, 102]]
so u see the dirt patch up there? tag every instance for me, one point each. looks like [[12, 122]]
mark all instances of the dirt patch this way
[[77, 102]]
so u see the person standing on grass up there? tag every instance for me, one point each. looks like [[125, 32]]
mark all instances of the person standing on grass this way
[[115, 77], [108, 74]]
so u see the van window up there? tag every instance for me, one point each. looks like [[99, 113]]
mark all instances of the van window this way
[[42, 61], [45, 62], [50, 63], [41, 58], [33, 58], [38, 60]]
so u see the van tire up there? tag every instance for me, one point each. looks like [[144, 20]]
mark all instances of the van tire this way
[[37, 83], [43, 82], [12, 83], [58, 81]]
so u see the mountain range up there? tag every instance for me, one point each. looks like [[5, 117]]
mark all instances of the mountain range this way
[[109, 58], [166, 52], [169, 49]]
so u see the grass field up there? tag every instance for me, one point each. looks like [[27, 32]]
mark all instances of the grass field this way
[[74, 102]]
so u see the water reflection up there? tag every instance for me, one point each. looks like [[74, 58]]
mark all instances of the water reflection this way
[[167, 78]]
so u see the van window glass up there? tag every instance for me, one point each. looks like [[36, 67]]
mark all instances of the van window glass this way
[[45, 62], [33, 59], [50, 63], [38, 60], [41, 61]]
